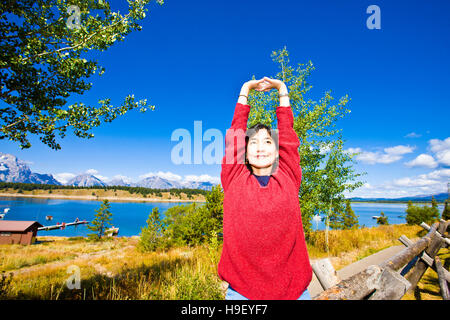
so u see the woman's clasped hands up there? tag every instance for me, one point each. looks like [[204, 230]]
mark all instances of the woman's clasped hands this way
[[265, 84]]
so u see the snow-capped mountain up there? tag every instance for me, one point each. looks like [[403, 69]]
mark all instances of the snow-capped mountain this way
[[205, 185], [85, 180], [119, 182], [156, 182], [15, 170]]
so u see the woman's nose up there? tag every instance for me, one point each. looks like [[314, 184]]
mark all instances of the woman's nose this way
[[261, 147]]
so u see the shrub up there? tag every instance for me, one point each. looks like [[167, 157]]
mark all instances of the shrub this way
[[151, 235], [417, 214], [5, 284], [188, 224]]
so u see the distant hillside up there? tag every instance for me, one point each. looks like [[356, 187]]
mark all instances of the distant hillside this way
[[440, 197]]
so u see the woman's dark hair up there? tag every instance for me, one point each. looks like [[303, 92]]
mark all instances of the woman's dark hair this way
[[254, 130]]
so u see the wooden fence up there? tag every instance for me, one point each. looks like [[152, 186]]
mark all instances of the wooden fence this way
[[391, 279]]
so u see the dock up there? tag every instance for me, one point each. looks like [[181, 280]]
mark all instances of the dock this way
[[62, 225]]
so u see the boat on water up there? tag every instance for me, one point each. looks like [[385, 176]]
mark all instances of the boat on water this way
[[5, 211], [48, 217], [112, 232]]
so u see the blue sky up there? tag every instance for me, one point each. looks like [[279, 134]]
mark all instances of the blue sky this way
[[192, 57]]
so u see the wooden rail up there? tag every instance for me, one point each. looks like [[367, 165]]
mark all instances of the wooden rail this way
[[392, 278]]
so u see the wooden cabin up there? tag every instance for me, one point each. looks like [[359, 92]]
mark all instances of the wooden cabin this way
[[18, 232]]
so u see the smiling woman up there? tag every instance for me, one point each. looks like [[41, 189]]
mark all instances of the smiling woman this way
[[261, 152], [264, 255]]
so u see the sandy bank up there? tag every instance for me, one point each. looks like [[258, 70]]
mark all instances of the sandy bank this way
[[95, 198]]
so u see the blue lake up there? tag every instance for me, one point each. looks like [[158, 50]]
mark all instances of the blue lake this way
[[130, 217], [395, 212]]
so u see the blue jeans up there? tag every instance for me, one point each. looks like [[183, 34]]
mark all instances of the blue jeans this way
[[234, 295]]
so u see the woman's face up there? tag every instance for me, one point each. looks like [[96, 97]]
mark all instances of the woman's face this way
[[261, 150]]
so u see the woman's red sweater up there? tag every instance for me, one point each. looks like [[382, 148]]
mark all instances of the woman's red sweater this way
[[264, 255]]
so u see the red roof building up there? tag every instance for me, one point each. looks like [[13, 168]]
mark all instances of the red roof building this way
[[18, 232]]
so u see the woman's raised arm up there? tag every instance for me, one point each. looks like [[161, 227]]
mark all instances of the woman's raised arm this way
[[289, 161], [233, 161]]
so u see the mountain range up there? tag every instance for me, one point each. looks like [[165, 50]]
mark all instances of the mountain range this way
[[13, 169], [425, 198]]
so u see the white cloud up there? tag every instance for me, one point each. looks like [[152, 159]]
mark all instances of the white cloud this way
[[91, 171], [202, 178], [413, 135], [399, 150], [441, 149], [388, 155], [423, 160], [165, 175], [430, 183], [353, 150], [444, 157], [414, 182], [64, 177], [441, 175], [439, 145]]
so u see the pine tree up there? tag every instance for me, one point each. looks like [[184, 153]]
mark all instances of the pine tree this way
[[152, 234], [434, 203], [382, 220], [101, 222], [214, 205], [446, 212], [350, 219]]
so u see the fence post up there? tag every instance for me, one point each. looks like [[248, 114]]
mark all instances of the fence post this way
[[442, 280], [391, 286], [421, 267], [325, 273]]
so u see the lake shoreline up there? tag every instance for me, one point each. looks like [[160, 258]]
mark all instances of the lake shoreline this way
[[131, 199], [95, 198]]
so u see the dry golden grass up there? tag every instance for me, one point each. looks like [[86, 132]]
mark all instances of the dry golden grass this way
[[115, 269]]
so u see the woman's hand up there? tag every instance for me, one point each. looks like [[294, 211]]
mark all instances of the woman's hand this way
[[254, 84], [269, 84], [263, 85]]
